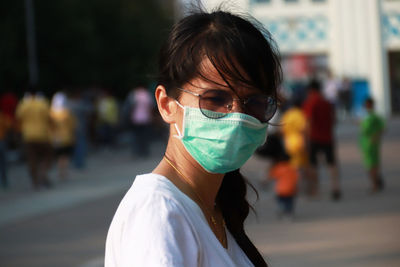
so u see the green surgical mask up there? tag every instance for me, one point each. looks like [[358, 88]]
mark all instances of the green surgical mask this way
[[220, 145]]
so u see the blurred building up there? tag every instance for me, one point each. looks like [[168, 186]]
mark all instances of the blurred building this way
[[359, 39]]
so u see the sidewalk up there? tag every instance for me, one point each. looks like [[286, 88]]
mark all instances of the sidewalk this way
[[360, 230], [107, 173]]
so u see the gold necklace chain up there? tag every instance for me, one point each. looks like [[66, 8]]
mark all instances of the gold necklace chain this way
[[222, 236]]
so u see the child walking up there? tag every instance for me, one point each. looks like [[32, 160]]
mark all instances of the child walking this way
[[372, 127], [285, 176]]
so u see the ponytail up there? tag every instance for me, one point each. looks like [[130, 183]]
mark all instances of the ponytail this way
[[232, 201]]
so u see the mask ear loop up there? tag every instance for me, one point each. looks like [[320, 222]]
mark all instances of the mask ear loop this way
[[180, 135]]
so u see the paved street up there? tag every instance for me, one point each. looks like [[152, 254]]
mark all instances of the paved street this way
[[67, 225]]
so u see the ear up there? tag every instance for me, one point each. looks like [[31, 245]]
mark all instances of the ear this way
[[166, 105]]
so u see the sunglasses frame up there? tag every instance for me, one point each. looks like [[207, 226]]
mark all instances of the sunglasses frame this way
[[229, 107]]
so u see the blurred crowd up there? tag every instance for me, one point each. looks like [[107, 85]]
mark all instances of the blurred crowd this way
[[61, 131], [304, 139]]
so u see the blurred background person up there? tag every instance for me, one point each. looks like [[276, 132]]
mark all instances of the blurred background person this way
[[371, 130], [141, 118], [5, 124], [8, 132], [293, 127], [107, 118], [345, 98], [285, 176], [331, 88], [33, 114], [321, 120], [8, 106], [62, 133], [81, 108]]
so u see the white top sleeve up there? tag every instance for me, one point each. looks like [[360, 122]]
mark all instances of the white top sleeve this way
[[170, 241]]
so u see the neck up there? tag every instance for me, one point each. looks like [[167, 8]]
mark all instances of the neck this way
[[204, 185]]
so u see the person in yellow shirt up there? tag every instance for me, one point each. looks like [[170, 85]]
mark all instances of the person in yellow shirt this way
[[107, 109], [33, 115], [293, 127], [62, 132]]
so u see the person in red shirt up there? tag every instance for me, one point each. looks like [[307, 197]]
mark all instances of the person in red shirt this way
[[321, 120]]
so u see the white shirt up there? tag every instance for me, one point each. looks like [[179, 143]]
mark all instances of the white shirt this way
[[143, 104], [331, 89], [158, 225]]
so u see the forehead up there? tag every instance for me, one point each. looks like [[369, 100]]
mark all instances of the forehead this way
[[210, 78]]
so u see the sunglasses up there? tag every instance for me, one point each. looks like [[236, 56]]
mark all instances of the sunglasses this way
[[220, 103]]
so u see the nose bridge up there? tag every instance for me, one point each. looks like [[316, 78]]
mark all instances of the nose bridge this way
[[238, 106]]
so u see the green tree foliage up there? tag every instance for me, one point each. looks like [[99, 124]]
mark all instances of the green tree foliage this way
[[112, 44]]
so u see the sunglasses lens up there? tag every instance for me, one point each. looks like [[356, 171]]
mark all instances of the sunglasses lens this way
[[216, 101], [261, 107]]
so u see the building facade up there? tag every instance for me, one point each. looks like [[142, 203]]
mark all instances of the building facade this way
[[358, 39]]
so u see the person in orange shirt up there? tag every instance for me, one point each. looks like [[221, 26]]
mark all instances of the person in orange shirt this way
[[286, 177]]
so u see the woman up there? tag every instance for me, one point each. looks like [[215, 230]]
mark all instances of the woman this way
[[216, 90]]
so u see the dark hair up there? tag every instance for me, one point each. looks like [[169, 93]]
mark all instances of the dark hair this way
[[314, 85], [244, 54], [369, 102], [231, 43], [274, 148]]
